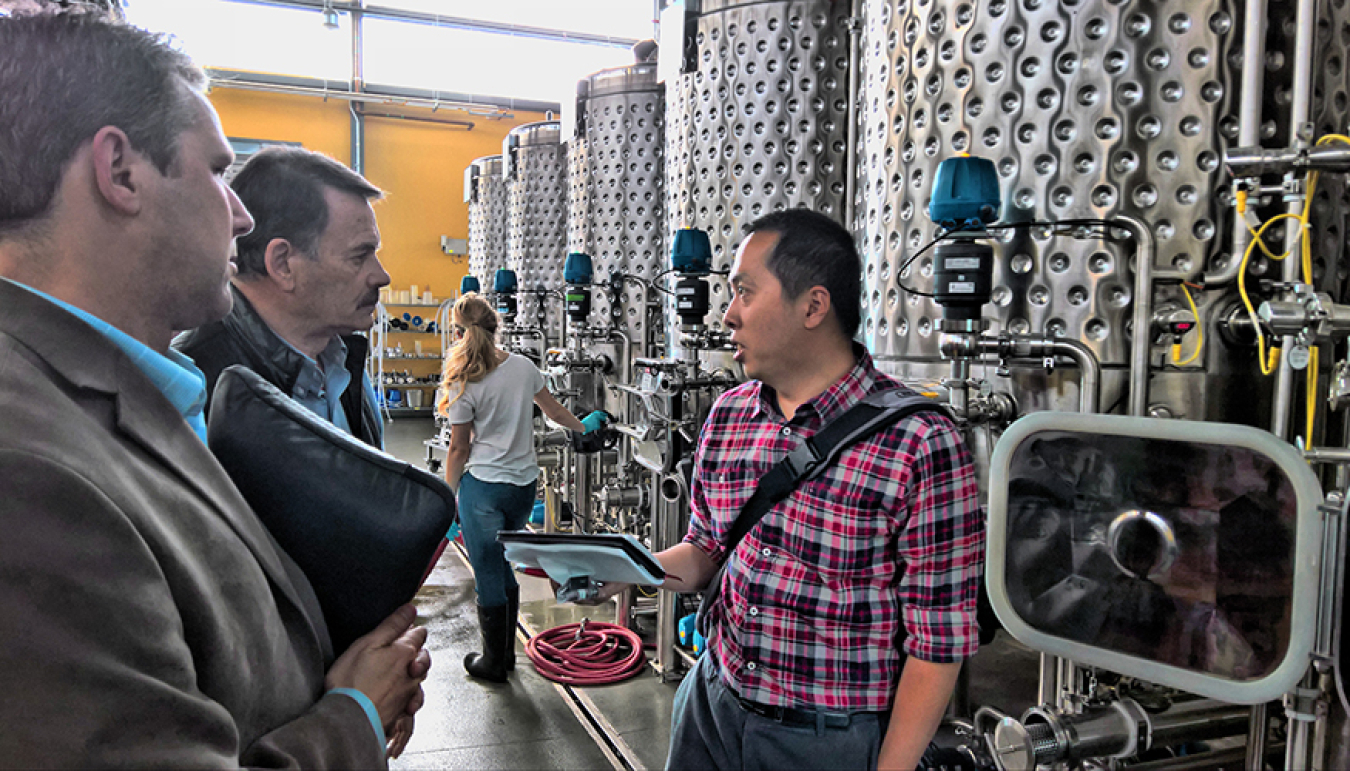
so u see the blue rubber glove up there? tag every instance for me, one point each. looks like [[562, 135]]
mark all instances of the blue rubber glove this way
[[595, 421]]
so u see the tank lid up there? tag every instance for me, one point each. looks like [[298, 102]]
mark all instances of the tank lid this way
[[619, 80], [545, 132], [488, 165]]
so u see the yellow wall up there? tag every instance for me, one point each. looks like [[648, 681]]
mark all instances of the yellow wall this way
[[420, 166]]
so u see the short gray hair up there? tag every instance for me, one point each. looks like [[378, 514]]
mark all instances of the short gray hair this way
[[65, 76], [283, 188]]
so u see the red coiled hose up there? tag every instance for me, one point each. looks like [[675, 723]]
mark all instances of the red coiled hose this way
[[588, 653]]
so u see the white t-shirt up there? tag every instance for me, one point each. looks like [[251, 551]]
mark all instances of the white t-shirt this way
[[500, 407]]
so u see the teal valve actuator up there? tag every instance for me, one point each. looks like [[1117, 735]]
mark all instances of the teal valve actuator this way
[[577, 275]]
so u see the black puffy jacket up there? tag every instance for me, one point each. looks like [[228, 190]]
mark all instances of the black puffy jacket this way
[[242, 337]]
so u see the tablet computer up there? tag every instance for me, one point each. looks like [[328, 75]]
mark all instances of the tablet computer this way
[[608, 557]]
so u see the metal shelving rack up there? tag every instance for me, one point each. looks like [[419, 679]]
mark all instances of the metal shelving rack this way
[[379, 366]]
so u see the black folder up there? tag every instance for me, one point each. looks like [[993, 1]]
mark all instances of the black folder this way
[[362, 525]]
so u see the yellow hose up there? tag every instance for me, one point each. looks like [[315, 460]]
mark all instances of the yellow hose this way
[[1199, 333], [1242, 281], [1312, 395]]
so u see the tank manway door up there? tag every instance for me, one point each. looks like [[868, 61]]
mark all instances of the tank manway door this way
[[1186, 554]]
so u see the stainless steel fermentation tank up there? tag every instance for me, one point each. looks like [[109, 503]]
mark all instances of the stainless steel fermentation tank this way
[[1091, 111], [485, 192], [1119, 113], [535, 168], [615, 216], [616, 210], [757, 123]]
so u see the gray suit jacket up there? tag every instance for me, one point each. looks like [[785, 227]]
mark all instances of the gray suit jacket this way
[[147, 619]]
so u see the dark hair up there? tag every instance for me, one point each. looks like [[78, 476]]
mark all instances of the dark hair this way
[[814, 250], [64, 76], [283, 187]]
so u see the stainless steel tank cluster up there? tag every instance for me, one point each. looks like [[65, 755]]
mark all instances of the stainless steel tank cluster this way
[[1128, 212]]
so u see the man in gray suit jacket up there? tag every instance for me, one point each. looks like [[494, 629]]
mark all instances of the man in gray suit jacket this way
[[147, 619]]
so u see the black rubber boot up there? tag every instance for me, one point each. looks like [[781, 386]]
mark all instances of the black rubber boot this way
[[497, 630], [513, 616]]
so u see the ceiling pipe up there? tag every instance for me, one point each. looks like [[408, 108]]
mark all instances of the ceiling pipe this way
[[352, 96], [453, 22], [467, 125]]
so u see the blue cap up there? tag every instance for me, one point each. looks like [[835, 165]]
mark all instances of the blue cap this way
[[965, 193], [504, 281], [469, 284], [692, 253], [577, 269]]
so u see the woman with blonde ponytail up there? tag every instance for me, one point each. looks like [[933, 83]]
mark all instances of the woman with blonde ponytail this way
[[487, 394]]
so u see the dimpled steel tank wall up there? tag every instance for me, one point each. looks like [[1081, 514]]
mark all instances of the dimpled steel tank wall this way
[[536, 182], [616, 209], [1090, 110], [485, 189], [759, 125]]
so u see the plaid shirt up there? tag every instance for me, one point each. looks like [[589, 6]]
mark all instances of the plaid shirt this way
[[886, 546]]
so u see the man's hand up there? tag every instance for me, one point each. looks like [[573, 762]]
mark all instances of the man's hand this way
[[403, 727], [388, 665], [604, 591]]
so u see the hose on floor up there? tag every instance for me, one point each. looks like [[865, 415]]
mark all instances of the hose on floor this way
[[587, 653]]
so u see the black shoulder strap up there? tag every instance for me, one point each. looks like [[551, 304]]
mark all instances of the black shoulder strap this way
[[874, 413]]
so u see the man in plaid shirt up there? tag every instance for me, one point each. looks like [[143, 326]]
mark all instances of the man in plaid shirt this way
[[846, 612]]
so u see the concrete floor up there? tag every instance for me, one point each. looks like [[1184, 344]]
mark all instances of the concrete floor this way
[[532, 723]]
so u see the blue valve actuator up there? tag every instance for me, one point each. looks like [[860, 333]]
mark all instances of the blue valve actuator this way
[[965, 193], [691, 254], [469, 284], [504, 282], [577, 269], [687, 629]]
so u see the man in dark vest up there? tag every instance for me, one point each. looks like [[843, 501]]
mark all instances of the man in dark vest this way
[[309, 277]]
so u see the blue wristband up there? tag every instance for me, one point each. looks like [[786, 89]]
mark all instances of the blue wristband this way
[[369, 707]]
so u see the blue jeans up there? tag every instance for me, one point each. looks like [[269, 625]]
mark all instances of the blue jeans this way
[[485, 508], [710, 730]]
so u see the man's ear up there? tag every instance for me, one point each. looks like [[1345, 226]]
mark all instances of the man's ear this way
[[119, 171], [817, 306], [279, 261]]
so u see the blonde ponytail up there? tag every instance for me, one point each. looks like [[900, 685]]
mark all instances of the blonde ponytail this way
[[474, 355]]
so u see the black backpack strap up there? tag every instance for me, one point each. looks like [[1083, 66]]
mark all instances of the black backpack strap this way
[[872, 414], [877, 411]]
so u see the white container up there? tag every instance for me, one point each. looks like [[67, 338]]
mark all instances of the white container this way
[[427, 299]]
